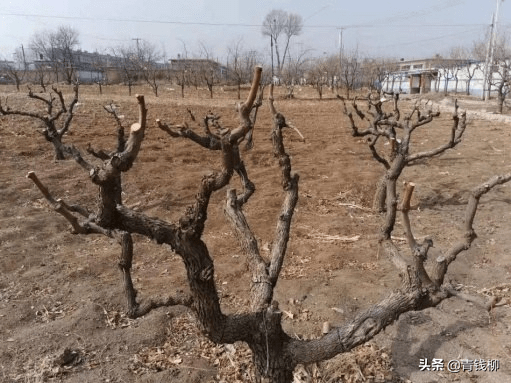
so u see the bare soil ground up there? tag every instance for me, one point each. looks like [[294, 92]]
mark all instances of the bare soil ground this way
[[61, 298]]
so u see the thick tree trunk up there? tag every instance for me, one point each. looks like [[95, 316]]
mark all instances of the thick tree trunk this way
[[275, 354], [500, 98], [59, 151], [270, 362], [380, 194]]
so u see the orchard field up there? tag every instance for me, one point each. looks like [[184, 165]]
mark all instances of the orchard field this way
[[61, 300]]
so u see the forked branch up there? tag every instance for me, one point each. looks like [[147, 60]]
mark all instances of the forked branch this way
[[387, 124], [53, 131]]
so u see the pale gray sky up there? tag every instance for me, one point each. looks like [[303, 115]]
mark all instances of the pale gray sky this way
[[394, 28]]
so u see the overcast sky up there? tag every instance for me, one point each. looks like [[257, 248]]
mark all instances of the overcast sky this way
[[393, 28]]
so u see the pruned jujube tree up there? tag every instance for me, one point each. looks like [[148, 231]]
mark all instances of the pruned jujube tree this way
[[275, 353], [397, 128], [56, 121], [212, 140]]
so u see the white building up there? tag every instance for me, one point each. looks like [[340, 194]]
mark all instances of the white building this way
[[437, 75]]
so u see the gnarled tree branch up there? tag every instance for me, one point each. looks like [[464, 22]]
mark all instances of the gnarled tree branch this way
[[51, 132]]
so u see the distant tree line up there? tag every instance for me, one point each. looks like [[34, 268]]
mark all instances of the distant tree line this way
[[54, 56]]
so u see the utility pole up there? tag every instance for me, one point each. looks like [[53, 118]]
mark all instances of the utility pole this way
[[341, 29], [138, 47], [489, 61], [24, 59], [272, 73]]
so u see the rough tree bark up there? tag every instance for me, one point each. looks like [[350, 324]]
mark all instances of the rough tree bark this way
[[56, 123], [275, 353], [386, 125]]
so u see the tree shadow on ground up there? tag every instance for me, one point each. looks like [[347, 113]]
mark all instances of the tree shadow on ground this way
[[408, 349]]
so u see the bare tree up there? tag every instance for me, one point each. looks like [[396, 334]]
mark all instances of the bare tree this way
[[126, 62], [44, 46], [279, 23], [240, 64], [208, 70], [100, 66], [447, 70], [17, 71], [467, 65], [385, 125], [317, 75], [294, 73], [147, 65], [377, 71], [58, 47], [350, 71], [42, 75], [181, 77], [56, 122], [180, 69], [500, 73], [275, 353]]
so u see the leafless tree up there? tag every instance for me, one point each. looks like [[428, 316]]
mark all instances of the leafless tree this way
[[294, 73], [279, 23], [447, 70], [376, 71], [239, 64], [318, 75], [57, 47], [208, 70], [275, 353], [42, 75], [147, 64], [181, 78], [462, 64], [500, 73], [126, 62], [100, 65], [350, 71], [17, 71], [181, 73], [56, 122], [397, 129], [466, 63]]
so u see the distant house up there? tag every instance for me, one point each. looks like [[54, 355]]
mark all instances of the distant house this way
[[436, 75], [195, 65], [4, 64], [88, 66], [94, 66], [4, 67]]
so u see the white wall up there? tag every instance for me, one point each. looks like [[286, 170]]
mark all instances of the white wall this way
[[87, 76], [400, 82]]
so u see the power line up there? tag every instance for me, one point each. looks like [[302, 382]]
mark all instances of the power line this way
[[431, 38], [350, 26]]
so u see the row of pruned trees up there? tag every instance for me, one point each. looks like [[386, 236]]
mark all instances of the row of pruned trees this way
[[57, 59], [275, 353], [53, 56]]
